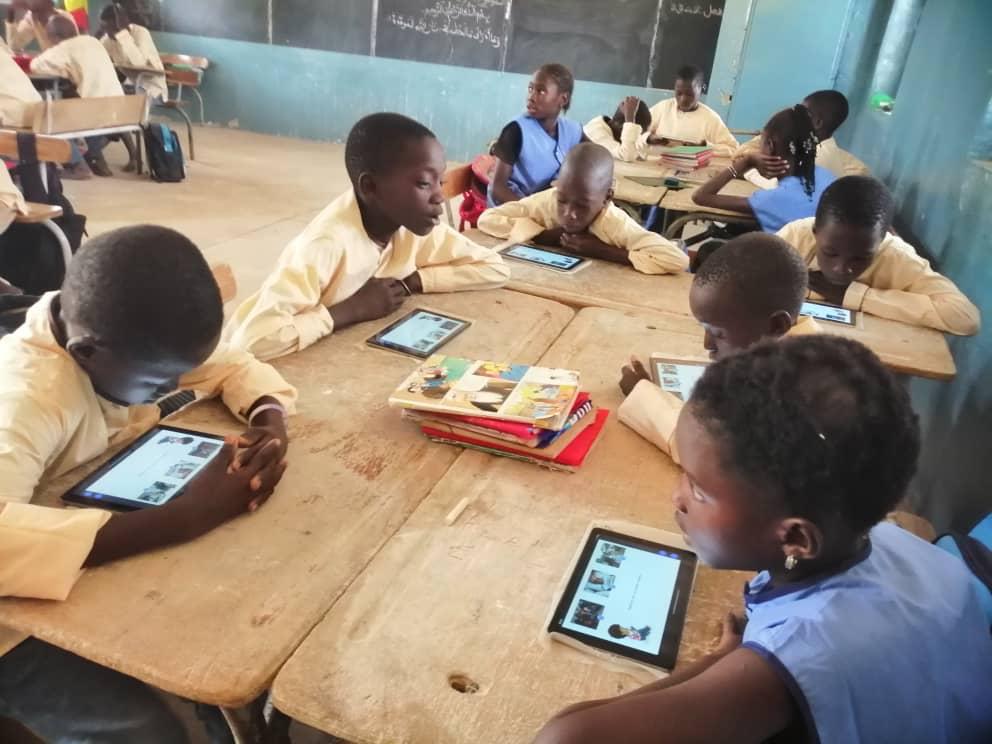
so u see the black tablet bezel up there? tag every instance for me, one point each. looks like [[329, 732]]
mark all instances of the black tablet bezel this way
[[377, 341], [582, 260], [852, 314], [674, 623], [75, 496]]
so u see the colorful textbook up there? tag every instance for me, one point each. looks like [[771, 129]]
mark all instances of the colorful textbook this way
[[539, 396], [686, 157]]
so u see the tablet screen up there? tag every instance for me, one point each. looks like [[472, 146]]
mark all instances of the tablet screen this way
[[677, 379], [420, 333], [828, 312], [150, 472], [628, 596], [542, 257]]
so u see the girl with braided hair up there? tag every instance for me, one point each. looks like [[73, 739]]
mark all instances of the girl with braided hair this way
[[857, 631], [788, 153]]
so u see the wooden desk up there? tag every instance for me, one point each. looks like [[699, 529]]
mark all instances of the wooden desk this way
[[681, 200], [36, 213], [214, 620], [600, 284], [443, 607]]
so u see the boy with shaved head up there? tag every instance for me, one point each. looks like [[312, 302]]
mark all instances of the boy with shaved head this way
[[578, 215]]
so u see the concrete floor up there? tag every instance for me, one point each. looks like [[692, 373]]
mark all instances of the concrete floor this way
[[245, 197]]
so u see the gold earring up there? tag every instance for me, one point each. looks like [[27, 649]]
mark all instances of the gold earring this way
[[790, 562]]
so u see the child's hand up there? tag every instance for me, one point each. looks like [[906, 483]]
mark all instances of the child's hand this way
[[769, 166], [732, 634], [550, 237], [628, 107], [255, 442], [582, 243], [218, 494], [632, 374], [377, 299], [830, 292]]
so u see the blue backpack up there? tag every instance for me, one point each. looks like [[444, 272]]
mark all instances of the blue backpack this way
[[165, 154]]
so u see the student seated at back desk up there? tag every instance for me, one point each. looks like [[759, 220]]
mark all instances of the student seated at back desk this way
[[828, 110], [578, 215], [27, 22], [371, 247], [684, 119], [84, 61], [131, 45], [139, 311], [855, 263], [625, 135], [788, 152], [532, 147], [750, 288], [793, 452], [17, 94]]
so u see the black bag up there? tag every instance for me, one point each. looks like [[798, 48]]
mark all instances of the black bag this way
[[30, 255], [165, 154]]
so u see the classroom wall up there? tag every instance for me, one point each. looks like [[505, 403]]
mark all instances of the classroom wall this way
[[318, 95], [922, 151]]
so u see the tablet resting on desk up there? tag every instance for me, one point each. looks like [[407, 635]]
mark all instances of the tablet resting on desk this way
[[627, 596], [828, 312], [419, 333], [153, 470], [545, 258]]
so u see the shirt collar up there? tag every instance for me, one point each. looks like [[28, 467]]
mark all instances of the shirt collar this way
[[759, 589]]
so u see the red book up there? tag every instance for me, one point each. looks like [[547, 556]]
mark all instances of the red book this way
[[570, 459]]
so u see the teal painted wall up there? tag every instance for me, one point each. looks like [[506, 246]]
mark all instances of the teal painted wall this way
[[922, 151], [318, 95]]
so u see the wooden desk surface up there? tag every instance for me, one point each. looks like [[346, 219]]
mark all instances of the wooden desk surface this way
[[35, 212], [214, 620], [465, 604], [681, 200]]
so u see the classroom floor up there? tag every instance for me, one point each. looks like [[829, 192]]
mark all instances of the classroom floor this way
[[246, 195], [244, 198]]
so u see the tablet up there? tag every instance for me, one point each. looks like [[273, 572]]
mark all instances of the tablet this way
[[419, 333], [675, 375], [152, 471], [828, 312], [545, 258], [627, 596]]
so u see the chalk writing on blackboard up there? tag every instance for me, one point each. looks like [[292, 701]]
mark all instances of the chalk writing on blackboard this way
[[706, 12], [471, 19]]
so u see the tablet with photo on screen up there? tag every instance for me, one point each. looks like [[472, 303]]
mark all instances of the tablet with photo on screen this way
[[546, 258], [419, 333], [832, 313], [628, 596], [676, 375]]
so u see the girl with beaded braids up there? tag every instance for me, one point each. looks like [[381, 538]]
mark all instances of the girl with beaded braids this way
[[788, 153], [857, 631]]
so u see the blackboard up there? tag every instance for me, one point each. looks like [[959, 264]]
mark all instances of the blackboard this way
[[467, 33], [604, 40], [244, 20], [629, 42], [334, 25], [687, 35]]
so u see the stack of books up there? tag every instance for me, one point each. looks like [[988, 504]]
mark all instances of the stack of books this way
[[686, 157], [534, 414]]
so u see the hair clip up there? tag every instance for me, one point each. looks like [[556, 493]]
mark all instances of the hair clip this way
[[821, 436], [792, 147]]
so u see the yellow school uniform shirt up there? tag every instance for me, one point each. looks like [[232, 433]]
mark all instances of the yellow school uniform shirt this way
[[11, 200], [633, 144], [648, 251], [899, 285], [653, 412], [333, 258], [21, 33], [134, 47], [17, 95], [51, 420], [701, 124], [84, 61]]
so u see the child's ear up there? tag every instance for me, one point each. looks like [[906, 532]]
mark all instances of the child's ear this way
[[780, 322], [366, 185], [83, 349], [800, 538], [609, 196]]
